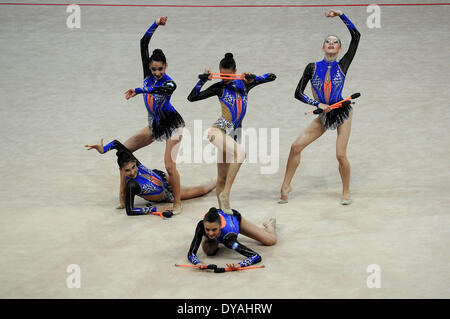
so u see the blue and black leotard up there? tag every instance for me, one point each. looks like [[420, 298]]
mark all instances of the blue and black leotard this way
[[162, 116], [228, 236], [232, 97], [327, 81], [148, 182]]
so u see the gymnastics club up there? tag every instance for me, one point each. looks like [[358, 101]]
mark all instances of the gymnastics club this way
[[201, 267], [163, 215], [342, 103], [226, 76], [218, 269]]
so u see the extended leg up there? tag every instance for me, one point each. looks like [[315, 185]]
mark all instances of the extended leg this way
[[343, 136], [170, 157], [234, 156], [196, 191], [309, 135], [139, 140]]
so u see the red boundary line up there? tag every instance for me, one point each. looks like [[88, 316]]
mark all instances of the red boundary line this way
[[226, 6]]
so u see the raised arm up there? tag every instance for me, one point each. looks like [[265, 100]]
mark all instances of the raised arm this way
[[344, 63], [257, 80], [197, 95], [231, 242], [144, 49], [306, 77], [199, 233], [144, 45]]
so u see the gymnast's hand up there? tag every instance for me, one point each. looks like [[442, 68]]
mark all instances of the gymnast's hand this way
[[248, 77], [130, 93], [324, 107], [207, 72], [333, 13], [161, 20], [98, 147]]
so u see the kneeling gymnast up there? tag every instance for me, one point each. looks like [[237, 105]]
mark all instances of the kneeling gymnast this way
[[219, 227]]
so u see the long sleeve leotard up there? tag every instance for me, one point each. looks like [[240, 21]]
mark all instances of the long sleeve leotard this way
[[327, 80], [228, 236], [146, 183], [157, 94], [233, 95]]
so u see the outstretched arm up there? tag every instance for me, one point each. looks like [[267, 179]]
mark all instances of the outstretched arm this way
[[167, 88], [257, 80], [231, 242], [120, 148], [199, 233]]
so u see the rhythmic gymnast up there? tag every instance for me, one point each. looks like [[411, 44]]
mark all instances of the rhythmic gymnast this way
[[164, 122], [225, 133], [138, 180], [327, 81], [218, 227]]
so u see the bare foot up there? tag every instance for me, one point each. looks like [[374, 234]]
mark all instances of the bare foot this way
[[225, 200], [284, 195], [177, 209], [270, 224]]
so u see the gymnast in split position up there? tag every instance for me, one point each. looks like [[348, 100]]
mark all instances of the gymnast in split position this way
[[218, 227], [327, 81], [225, 133], [164, 122], [150, 184]]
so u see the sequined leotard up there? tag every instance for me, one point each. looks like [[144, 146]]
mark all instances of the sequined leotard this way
[[228, 236], [162, 116], [327, 81]]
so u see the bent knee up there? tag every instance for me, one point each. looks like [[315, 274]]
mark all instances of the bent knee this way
[[171, 168], [297, 148], [270, 241], [342, 158]]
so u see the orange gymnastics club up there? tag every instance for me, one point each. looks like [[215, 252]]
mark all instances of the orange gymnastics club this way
[[163, 215], [217, 270], [342, 103]]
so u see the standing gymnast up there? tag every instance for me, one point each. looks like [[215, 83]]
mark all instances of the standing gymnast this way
[[218, 227], [225, 133], [164, 122], [138, 180], [327, 81]]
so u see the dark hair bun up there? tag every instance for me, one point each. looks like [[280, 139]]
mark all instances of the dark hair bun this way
[[157, 51], [228, 56]]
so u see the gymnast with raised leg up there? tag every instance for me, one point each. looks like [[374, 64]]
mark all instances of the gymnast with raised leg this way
[[225, 133], [218, 227], [150, 184], [164, 122], [327, 81]]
